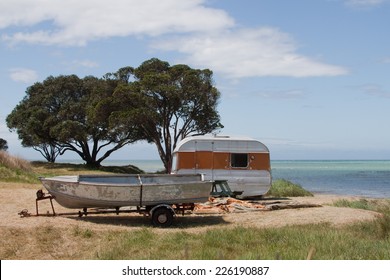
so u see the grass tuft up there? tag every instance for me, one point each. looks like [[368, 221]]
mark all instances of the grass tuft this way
[[84, 233], [285, 188], [16, 169], [380, 227], [357, 204]]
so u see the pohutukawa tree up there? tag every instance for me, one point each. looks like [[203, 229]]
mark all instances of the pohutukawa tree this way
[[166, 104], [66, 113], [94, 117]]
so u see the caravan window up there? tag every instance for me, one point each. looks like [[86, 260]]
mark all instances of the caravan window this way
[[239, 160]]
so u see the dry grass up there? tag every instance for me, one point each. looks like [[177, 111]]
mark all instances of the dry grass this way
[[46, 242], [317, 241], [16, 169], [14, 162]]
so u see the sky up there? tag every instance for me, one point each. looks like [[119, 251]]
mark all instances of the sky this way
[[308, 78]]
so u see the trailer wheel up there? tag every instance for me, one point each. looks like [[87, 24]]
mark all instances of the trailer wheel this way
[[162, 217]]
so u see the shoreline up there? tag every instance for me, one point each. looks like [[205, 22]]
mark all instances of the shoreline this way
[[349, 195]]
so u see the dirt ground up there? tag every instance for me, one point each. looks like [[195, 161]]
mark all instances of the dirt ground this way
[[14, 198], [61, 236]]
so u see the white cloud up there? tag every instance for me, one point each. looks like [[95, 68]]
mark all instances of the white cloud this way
[[23, 75], [75, 22], [208, 37], [364, 3], [248, 53]]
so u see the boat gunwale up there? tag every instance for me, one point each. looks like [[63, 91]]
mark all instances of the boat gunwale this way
[[78, 202], [107, 184], [143, 184], [78, 178]]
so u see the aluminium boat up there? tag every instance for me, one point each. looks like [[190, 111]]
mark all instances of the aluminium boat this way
[[114, 191]]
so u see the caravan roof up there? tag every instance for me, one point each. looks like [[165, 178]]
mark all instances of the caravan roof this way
[[221, 144]]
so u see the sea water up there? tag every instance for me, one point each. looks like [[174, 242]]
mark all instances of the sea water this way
[[368, 178], [361, 178]]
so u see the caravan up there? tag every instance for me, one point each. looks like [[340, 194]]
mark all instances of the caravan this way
[[243, 162]]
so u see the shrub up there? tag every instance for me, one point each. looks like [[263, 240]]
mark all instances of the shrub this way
[[285, 188]]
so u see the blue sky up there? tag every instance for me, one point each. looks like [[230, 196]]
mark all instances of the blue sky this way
[[308, 78]]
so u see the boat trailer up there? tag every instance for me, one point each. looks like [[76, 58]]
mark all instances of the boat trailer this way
[[162, 215]]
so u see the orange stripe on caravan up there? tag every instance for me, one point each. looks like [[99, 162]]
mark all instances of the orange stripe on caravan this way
[[221, 160], [260, 161], [204, 160], [185, 160], [217, 160]]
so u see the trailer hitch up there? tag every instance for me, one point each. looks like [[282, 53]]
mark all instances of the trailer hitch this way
[[24, 213]]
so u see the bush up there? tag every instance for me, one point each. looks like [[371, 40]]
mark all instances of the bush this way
[[285, 188]]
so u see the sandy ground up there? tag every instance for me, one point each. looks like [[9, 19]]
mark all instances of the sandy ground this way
[[61, 237], [15, 198]]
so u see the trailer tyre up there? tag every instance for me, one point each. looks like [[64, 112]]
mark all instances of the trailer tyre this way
[[162, 217]]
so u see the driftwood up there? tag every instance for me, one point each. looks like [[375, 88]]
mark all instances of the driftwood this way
[[229, 205], [292, 206]]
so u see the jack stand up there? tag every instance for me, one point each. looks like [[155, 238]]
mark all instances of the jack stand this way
[[42, 196]]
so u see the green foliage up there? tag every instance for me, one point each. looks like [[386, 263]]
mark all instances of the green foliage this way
[[166, 103], [16, 176], [94, 117], [381, 226], [66, 113], [3, 144], [358, 204], [361, 241], [15, 169], [285, 188], [84, 233]]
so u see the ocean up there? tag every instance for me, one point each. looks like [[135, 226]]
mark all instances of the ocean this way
[[361, 178], [368, 178]]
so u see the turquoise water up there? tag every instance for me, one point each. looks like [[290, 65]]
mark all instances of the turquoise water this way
[[362, 178]]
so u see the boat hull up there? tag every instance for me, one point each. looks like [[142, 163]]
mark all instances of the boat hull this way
[[118, 191]]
